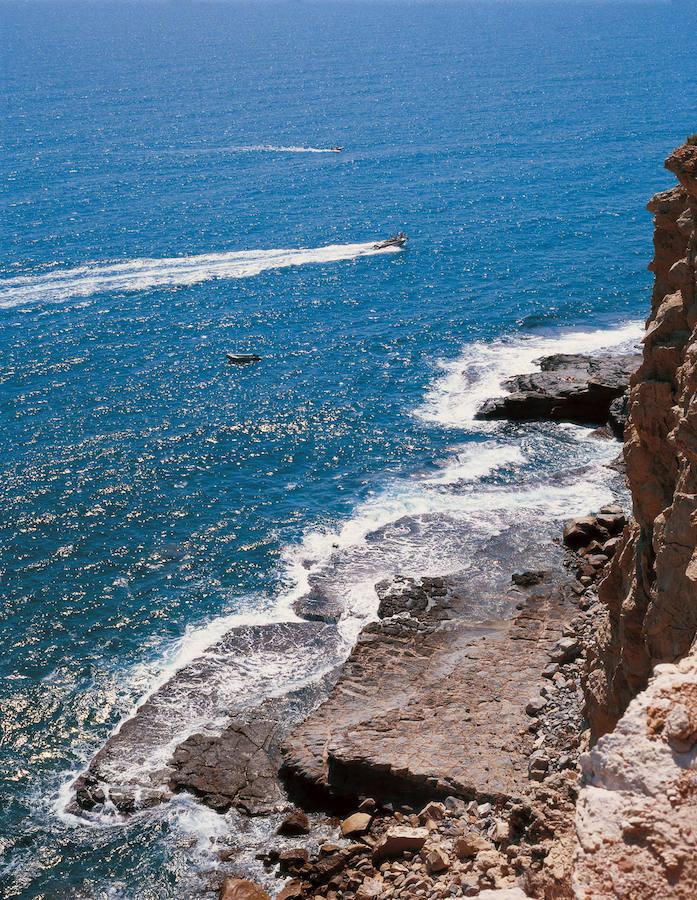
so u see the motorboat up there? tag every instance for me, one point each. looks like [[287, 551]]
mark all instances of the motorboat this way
[[242, 359], [397, 240], [335, 149]]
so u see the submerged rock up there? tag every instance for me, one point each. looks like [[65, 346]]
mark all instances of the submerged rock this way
[[295, 823], [237, 765]]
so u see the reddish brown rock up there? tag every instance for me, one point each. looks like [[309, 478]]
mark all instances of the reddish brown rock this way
[[397, 841], [294, 824], [241, 889], [437, 861], [650, 591], [432, 711], [358, 823], [470, 844], [293, 890]]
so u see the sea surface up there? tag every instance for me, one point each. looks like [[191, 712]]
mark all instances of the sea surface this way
[[167, 196]]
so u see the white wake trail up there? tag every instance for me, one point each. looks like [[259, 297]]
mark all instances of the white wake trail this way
[[270, 148], [176, 271]]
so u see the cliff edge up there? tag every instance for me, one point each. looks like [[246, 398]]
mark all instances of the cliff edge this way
[[637, 812]]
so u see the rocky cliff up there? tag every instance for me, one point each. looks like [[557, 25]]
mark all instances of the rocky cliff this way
[[650, 593], [637, 811]]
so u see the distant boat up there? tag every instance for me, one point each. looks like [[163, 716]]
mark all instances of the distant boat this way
[[335, 149], [397, 240], [242, 359]]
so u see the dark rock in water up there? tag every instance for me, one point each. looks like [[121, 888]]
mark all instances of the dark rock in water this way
[[293, 860], [237, 765], [323, 603], [426, 601], [295, 823], [570, 388], [580, 532], [618, 415]]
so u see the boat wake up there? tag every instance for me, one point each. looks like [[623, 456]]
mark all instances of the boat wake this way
[[177, 271], [270, 148]]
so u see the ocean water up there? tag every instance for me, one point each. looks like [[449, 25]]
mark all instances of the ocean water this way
[[167, 196]]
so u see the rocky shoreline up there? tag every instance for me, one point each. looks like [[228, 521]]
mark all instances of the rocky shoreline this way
[[453, 753], [441, 759], [489, 801]]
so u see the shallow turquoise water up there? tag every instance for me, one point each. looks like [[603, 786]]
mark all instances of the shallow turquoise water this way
[[147, 487]]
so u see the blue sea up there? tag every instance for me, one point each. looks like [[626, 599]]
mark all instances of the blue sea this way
[[167, 197]]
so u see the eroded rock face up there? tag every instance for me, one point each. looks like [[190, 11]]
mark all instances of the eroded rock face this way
[[650, 592], [637, 814]]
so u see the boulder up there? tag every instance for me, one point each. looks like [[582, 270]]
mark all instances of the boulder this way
[[294, 824], [433, 811], [613, 522], [437, 860], [470, 844], [292, 890], [371, 889], [535, 706], [241, 889], [399, 840], [538, 765], [293, 859], [565, 650], [358, 823], [582, 531]]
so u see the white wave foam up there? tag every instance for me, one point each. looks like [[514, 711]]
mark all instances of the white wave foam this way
[[422, 526], [474, 461], [479, 372], [177, 271]]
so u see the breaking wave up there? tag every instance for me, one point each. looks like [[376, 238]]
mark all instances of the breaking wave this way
[[479, 372], [177, 271]]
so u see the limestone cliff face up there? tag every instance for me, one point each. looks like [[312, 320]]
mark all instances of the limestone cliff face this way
[[650, 593]]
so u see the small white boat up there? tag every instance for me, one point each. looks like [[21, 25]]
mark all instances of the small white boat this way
[[242, 359], [335, 149]]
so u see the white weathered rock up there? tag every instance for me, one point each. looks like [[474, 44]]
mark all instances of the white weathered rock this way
[[636, 817], [371, 889]]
